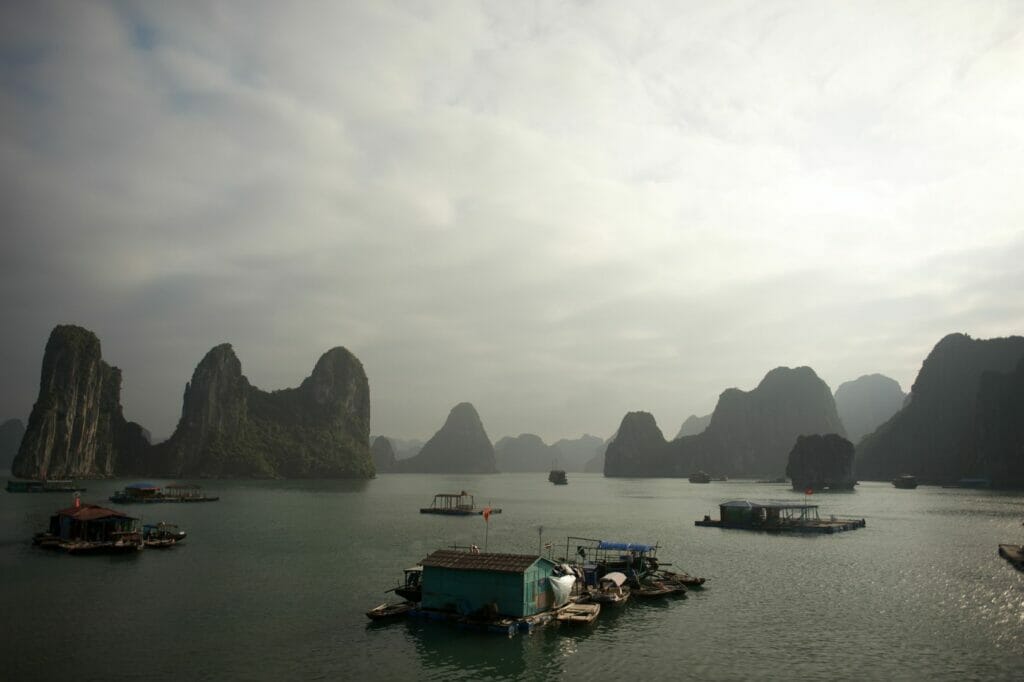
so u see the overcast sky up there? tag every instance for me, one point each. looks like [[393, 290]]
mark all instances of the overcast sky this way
[[558, 211]]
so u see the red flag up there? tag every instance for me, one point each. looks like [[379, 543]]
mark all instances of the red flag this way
[[809, 491], [487, 513], [78, 501]]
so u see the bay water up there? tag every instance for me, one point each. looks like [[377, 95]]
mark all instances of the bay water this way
[[274, 579]]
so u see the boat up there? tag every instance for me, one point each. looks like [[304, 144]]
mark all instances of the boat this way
[[577, 613], [654, 589], [700, 477], [457, 504], [162, 535], [1014, 554], [91, 529], [412, 588], [148, 493], [906, 482], [610, 590], [390, 611], [43, 486], [684, 579], [557, 476]]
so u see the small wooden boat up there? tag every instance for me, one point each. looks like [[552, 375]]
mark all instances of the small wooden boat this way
[[578, 614], [610, 590], [700, 477], [390, 611], [1014, 554], [690, 581], [162, 535], [654, 589]]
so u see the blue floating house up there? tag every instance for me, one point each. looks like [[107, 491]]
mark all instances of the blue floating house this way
[[510, 585]]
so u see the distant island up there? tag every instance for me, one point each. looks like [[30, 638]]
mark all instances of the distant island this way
[[460, 446], [750, 433], [866, 403], [228, 428]]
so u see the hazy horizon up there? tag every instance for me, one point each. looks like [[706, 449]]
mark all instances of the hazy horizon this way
[[559, 212]]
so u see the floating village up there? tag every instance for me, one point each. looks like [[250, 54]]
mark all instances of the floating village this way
[[463, 586], [84, 529]]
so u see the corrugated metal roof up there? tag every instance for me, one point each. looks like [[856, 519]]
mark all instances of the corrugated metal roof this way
[[484, 561]]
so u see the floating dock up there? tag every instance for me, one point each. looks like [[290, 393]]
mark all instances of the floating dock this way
[[777, 517]]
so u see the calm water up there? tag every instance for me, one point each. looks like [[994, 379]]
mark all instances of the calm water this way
[[273, 581]]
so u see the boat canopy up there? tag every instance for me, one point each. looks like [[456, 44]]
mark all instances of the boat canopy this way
[[625, 546], [615, 577], [769, 504], [143, 486]]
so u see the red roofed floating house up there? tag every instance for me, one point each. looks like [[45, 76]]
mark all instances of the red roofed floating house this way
[[91, 529]]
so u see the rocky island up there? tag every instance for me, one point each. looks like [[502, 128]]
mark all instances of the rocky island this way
[[821, 462], [461, 446]]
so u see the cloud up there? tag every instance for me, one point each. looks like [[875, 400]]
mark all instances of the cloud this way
[[559, 213]]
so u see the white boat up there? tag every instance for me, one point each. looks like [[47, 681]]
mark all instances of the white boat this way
[[610, 590]]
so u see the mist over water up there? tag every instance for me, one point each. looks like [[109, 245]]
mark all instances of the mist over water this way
[[274, 579]]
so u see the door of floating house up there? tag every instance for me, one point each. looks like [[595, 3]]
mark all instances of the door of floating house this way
[[514, 585]]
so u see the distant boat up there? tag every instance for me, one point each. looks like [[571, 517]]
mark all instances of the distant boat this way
[[700, 477], [557, 476], [43, 486], [905, 481], [456, 504]]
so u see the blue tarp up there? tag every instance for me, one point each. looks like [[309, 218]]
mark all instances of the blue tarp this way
[[624, 546]]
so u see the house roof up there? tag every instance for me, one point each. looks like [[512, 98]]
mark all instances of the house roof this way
[[485, 561], [91, 512]]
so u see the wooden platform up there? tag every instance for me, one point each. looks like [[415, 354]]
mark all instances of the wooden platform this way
[[820, 526]]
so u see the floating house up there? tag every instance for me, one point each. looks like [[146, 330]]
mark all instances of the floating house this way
[[91, 529], [777, 516], [490, 585], [143, 493]]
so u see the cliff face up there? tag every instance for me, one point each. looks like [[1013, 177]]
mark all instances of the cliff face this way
[[11, 433], [821, 462], [383, 455], [526, 452], [638, 448], [77, 428], [750, 434], [228, 428], [999, 429], [933, 437], [461, 446], [866, 403]]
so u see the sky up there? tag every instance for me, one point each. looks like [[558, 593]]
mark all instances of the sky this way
[[557, 211]]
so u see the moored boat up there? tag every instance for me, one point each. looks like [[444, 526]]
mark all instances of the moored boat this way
[[557, 476], [578, 614], [610, 590], [390, 611], [162, 535]]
